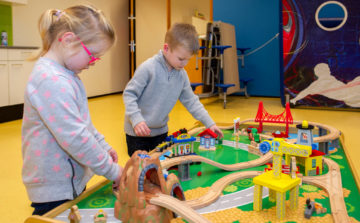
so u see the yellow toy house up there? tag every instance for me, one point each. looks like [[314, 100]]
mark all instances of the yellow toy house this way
[[312, 165]]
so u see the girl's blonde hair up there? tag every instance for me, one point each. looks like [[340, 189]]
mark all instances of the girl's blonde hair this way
[[183, 34], [86, 22]]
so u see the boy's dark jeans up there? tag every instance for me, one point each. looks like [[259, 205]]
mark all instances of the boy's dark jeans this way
[[135, 143]]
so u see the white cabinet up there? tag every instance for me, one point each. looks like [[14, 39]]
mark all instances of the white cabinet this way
[[19, 72], [14, 74], [4, 80]]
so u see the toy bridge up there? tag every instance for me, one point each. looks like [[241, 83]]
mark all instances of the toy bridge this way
[[263, 116]]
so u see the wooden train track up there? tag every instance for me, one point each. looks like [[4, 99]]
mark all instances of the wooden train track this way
[[216, 189], [228, 167], [179, 207], [331, 183]]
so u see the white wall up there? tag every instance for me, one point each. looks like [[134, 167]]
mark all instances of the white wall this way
[[183, 10], [150, 28], [108, 75], [151, 22]]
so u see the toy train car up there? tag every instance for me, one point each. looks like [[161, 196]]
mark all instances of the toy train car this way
[[163, 146], [177, 133]]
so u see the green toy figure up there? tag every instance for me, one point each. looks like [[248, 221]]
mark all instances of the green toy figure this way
[[255, 135]]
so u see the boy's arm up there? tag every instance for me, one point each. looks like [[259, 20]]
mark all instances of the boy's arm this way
[[193, 104], [61, 115], [132, 92]]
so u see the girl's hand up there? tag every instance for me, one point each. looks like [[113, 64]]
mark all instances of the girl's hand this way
[[217, 130], [141, 129], [113, 155], [116, 183]]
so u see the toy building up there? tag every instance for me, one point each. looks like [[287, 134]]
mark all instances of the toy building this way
[[312, 165], [184, 144], [304, 135], [207, 140]]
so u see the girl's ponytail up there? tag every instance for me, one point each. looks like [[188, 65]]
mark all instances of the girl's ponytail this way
[[86, 22]]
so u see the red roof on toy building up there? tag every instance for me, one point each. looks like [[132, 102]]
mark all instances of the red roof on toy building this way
[[207, 132], [316, 153]]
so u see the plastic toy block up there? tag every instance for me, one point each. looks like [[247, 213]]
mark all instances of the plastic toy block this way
[[258, 197], [277, 166], [280, 205], [294, 198], [319, 208], [283, 184], [272, 195], [309, 209]]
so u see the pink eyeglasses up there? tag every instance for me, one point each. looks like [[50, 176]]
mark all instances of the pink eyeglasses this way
[[93, 59]]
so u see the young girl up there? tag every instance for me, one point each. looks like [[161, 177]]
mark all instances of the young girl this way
[[61, 148]]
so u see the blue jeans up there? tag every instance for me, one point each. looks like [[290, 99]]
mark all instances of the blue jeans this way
[[135, 143]]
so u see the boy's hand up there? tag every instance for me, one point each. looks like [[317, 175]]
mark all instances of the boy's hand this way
[[217, 130], [113, 155], [141, 129], [116, 183]]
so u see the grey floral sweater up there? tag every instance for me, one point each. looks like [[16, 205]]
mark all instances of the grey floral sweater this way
[[60, 146]]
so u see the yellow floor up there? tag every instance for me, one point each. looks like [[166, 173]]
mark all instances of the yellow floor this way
[[108, 115]]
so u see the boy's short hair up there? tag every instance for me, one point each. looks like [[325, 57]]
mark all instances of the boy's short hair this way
[[183, 34]]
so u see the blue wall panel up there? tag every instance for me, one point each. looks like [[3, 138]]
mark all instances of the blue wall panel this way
[[256, 22], [324, 69]]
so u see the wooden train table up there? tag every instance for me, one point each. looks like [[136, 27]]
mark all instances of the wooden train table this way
[[221, 186]]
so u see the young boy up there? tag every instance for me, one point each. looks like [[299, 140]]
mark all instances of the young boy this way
[[155, 88]]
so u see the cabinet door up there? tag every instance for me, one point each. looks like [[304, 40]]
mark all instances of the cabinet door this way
[[19, 72], [3, 55], [4, 84]]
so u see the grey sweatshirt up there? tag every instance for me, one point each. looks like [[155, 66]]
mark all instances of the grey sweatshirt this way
[[60, 146], [152, 93]]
